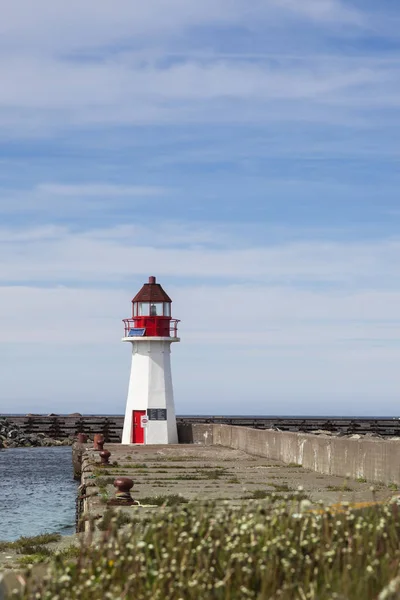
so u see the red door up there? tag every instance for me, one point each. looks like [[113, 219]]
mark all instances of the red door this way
[[137, 429]]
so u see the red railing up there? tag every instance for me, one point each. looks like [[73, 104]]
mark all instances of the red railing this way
[[132, 328]]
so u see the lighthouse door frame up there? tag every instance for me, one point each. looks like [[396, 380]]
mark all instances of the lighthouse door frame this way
[[137, 432]]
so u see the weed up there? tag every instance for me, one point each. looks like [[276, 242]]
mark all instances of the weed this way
[[25, 561], [214, 474], [214, 552], [5, 546], [71, 551], [339, 488], [274, 497], [120, 518], [102, 482], [31, 549], [281, 487], [361, 480], [393, 486], [36, 540], [171, 500], [258, 495]]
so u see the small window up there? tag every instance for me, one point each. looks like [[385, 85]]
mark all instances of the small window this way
[[156, 309], [167, 309], [135, 309], [144, 309]]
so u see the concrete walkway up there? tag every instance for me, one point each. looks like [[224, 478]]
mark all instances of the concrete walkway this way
[[213, 472]]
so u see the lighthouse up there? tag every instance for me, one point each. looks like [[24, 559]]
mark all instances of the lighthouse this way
[[150, 412]]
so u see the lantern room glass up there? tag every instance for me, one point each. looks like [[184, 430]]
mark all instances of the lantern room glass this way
[[156, 309], [143, 309], [151, 309]]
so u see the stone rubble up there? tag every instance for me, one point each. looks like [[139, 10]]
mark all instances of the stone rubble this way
[[12, 436]]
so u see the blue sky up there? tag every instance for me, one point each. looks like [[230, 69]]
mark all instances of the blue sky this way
[[247, 154]]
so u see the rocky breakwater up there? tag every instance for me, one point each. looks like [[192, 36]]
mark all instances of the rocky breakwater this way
[[12, 436]]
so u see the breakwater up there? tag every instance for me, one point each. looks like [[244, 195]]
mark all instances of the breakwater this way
[[360, 457], [61, 426]]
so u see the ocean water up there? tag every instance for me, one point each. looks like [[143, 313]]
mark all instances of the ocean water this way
[[37, 492]]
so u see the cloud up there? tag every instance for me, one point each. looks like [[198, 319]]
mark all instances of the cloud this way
[[131, 65], [77, 25], [276, 325], [109, 254], [245, 348], [330, 11], [66, 85], [68, 200]]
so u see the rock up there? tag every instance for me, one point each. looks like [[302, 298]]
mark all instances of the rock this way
[[13, 436], [75, 415]]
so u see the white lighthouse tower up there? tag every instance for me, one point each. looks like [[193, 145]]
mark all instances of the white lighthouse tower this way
[[150, 412]]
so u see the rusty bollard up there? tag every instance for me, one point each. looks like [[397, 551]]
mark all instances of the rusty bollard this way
[[123, 485], [98, 442], [82, 438], [104, 457]]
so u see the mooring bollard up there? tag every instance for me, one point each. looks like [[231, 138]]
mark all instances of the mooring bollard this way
[[98, 441], [104, 457], [82, 438], [123, 485]]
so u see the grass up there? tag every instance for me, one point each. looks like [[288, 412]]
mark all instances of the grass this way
[[134, 466], [268, 551], [281, 487], [43, 554], [119, 519], [361, 480], [102, 482], [24, 542], [258, 495], [165, 500], [339, 488], [33, 549], [274, 497], [393, 486], [32, 559]]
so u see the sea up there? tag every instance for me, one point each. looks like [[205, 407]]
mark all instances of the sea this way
[[37, 492]]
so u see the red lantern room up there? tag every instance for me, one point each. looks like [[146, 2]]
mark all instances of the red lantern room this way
[[151, 313]]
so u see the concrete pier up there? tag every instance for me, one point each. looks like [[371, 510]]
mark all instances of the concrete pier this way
[[199, 472], [373, 459]]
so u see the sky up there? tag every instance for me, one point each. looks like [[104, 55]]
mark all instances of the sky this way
[[246, 154]]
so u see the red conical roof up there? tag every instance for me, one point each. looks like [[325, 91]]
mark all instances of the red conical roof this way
[[152, 292]]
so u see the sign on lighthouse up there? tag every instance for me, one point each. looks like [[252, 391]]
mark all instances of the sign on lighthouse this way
[[150, 413]]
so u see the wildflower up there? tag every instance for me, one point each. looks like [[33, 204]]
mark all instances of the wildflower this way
[[305, 505]]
